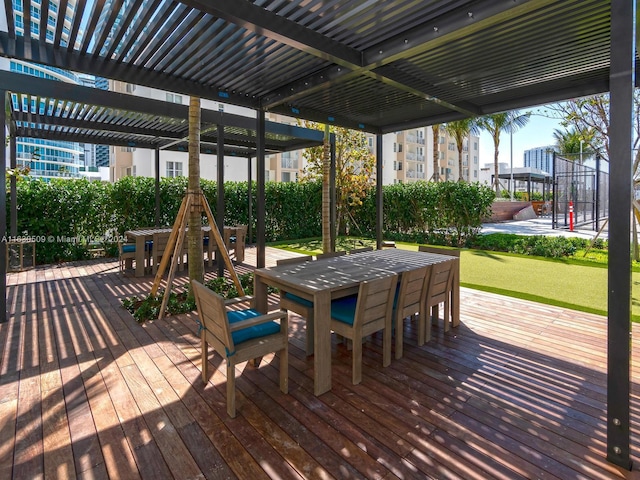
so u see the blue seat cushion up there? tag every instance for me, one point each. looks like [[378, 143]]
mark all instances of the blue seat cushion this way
[[300, 300], [344, 309], [256, 331], [128, 248], [205, 241]]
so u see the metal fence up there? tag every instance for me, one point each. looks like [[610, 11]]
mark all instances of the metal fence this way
[[585, 187]]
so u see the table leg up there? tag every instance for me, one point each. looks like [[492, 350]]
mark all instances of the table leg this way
[[455, 296], [140, 254], [260, 298], [322, 342]]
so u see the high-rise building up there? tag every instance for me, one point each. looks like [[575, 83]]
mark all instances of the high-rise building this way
[[540, 158], [46, 158], [101, 151], [133, 161], [408, 156]]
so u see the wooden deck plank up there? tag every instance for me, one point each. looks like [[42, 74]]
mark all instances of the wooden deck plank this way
[[86, 391]]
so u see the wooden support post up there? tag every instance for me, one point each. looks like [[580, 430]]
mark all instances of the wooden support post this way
[[176, 239]]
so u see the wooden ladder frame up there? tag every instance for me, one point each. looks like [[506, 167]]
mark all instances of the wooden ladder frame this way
[[192, 200]]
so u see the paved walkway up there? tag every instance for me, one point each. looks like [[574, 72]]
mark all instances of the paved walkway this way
[[539, 226]]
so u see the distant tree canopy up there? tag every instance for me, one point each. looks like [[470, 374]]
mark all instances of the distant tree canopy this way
[[355, 167]]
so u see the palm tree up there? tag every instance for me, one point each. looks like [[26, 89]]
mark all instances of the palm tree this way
[[497, 123], [194, 234], [568, 141], [459, 130], [436, 141]]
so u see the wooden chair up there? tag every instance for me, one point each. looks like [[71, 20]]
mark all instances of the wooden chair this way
[[454, 252], [331, 254], [238, 336], [236, 242], [209, 246], [299, 305], [409, 301], [126, 255], [160, 241], [361, 249], [438, 291], [358, 316]]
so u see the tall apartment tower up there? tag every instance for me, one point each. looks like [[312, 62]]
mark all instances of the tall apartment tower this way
[[540, 158], [46, 158], [286, 166], [449, 161], [133, 161]]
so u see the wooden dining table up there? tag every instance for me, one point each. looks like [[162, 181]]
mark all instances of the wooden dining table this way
[[323, 280], [141, 236]]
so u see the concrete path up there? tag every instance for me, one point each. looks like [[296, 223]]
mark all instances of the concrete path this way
[[539, 226]]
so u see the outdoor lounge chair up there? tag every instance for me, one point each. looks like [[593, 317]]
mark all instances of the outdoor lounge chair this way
[[409, 301], [358, 316], [299, 305], [438, 291], [239, 335], [126, 255]]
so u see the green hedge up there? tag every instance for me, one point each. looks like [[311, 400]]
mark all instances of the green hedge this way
[[66, 215]]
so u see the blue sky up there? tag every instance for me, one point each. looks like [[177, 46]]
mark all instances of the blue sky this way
[[537, 133]]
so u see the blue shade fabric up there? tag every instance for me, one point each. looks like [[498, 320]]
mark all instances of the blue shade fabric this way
[[297, 299], [249, 333], [344, 309], [128, 248]]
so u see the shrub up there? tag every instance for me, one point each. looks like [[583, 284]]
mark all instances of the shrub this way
[[554, 247], [148, 308], [447, 212]]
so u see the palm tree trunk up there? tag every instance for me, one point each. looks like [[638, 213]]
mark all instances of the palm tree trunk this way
[[194, 234], [496, 179], [326, 194], [436, 137]]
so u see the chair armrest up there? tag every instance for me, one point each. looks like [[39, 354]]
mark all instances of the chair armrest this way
[[232, 301], [250, 322]]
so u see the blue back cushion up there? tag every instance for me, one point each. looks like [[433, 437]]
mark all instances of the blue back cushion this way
[[300, 300], [128, 248], [249, 333], [344, 309]]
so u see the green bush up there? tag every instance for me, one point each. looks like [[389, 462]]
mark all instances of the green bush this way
[[541, 246], [148, 308], [554, 247], [70, 214], [499, 242]]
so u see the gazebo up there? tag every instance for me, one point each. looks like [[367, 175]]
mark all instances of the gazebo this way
[[378, 66]]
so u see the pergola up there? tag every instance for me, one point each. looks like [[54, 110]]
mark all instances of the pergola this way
[[377, 66], [51, 110]]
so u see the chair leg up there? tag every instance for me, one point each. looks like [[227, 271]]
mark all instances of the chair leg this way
[[231, 388], [428, 322], [356, 374], [399, 337], [386, 345], [203, 356], [284, 369], [424, 319]]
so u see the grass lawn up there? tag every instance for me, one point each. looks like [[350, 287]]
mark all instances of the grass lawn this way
[[577, 285]]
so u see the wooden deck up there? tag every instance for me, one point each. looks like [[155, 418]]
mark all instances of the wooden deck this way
[[517, 391]]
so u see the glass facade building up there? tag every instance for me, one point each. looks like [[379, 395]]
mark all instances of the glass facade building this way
[[540, 158]]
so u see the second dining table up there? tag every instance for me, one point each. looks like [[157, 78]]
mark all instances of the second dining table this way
[[141, 236], [323, 280]]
